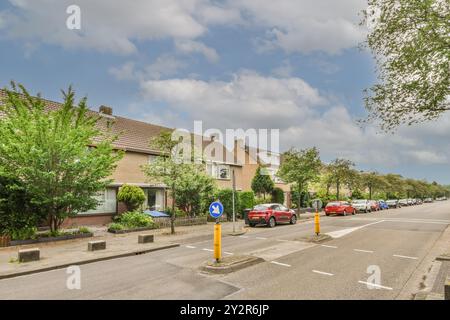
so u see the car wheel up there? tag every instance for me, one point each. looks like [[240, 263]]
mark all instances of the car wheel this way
[[345, 213], [327, 214], [366, 211], [251, 225], [353, 212], [271, 223], [293, 219]]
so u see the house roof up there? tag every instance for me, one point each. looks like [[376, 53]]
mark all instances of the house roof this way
[[134, 135]]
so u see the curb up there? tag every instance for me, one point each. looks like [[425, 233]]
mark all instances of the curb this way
[[61, 266], [443, 258], [249, 261]]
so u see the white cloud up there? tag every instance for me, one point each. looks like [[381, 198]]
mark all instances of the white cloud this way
[[305, 118], [304, 25], [124, 72]]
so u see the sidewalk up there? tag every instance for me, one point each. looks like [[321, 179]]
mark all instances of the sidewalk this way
[[64, 253]]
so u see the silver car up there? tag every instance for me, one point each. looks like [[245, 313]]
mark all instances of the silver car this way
[[361, 205]]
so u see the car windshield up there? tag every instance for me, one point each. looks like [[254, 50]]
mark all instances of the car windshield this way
[[332, 204], [261, 207], [359, 201]]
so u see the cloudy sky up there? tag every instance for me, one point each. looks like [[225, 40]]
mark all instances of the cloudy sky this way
[[287, 64]]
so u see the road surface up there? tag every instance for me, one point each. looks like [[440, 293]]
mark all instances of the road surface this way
[[394, 242]]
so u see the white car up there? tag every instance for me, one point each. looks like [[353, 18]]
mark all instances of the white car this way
[[361, 205], [393, 203], [403, 202]]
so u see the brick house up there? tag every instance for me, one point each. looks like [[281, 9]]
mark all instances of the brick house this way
[[133, 138]]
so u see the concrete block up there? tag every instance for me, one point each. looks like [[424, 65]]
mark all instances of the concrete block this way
[[447, 289], [145, 238], [96, 245], [27, 255]]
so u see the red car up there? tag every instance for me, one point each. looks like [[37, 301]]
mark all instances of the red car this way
[[374, 205], [271, 214], [339, 207]]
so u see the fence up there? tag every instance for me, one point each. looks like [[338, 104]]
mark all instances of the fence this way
[[186, 221]]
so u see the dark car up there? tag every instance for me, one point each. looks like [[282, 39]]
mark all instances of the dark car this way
[[271, 214]]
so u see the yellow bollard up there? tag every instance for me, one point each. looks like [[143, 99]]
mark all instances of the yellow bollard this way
[[317, 223], [217, 242]]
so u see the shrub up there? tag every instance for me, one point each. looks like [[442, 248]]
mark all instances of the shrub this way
[[225, 196], [246, 200], [115, 226], [132, 196], [134, 219], [278, 195], [24, 233], [84, 230]]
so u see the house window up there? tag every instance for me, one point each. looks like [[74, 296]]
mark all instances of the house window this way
[[107, 202], [155, 199], [224, 172]]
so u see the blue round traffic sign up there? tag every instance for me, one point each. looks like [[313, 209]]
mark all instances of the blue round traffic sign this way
[[216, 209]]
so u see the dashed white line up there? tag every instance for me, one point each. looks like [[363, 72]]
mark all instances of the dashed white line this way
[[282, 240], [326, 246], [260, 238], [226, 252], [405, 257], [375, 285], [190, 247], [361, 250], [245, 237], [280, 264], [324, 273], [204, 249]]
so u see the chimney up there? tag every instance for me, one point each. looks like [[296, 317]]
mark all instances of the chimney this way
[[105, 110]]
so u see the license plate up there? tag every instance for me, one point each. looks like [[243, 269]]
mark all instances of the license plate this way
[[255, 218]]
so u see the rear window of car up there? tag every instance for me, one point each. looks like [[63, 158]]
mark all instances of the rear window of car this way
[[261, 207], [359, 201], [332, 204]]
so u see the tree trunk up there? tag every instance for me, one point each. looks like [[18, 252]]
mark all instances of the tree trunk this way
[[300, 187], [370, 193], [172, 218], [338, 184]]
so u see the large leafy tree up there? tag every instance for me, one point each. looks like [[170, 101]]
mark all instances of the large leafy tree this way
[[300, 167], [60, 157], [262, 182], [411, 44], [340, 173], [373, 182]]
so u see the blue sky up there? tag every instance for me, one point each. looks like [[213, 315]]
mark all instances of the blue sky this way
[[288, 64]]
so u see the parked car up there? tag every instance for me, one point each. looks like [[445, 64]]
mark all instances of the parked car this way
[[410, 202], [361, 205], [428, 200], [374, 205], [403, 202], [392, 203], [419, 201], [339, 207], [383, 205], [271, 214]]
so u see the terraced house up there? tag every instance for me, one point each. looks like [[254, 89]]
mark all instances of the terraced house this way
[[134, 137]]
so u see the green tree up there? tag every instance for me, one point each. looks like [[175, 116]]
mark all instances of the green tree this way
[[132, 196], [262, 183], [373, 182], [410, 42], [300, 167], [59, 156], [340, 172], [277, 195], [225, 196], [246, 200]]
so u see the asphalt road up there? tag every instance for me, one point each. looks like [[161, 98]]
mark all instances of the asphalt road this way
[[393, 242]]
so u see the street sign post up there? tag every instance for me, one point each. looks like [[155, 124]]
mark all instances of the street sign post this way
[[317, 204], [216, 211]]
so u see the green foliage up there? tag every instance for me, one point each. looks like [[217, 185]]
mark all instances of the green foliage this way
[[132, 196], [84, 230], [225, 196], [340, 172], [246, 200], [47, 151], [116, 226], [261, 182], [411, 44], [303, 201], [134, 219], [300, 167], [260, 200], [278, 195]]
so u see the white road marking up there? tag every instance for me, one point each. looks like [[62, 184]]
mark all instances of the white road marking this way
[[280, 264], [343, 232], [361, 250], [204, 249], [412, 220], [282, 240], [260, 238], [406, 257], [245, 237], [375, 285], [190, 247], [226, 252], [326, 246], [322, 272]]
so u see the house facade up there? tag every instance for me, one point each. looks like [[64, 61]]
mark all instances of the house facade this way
[[133, 138]]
